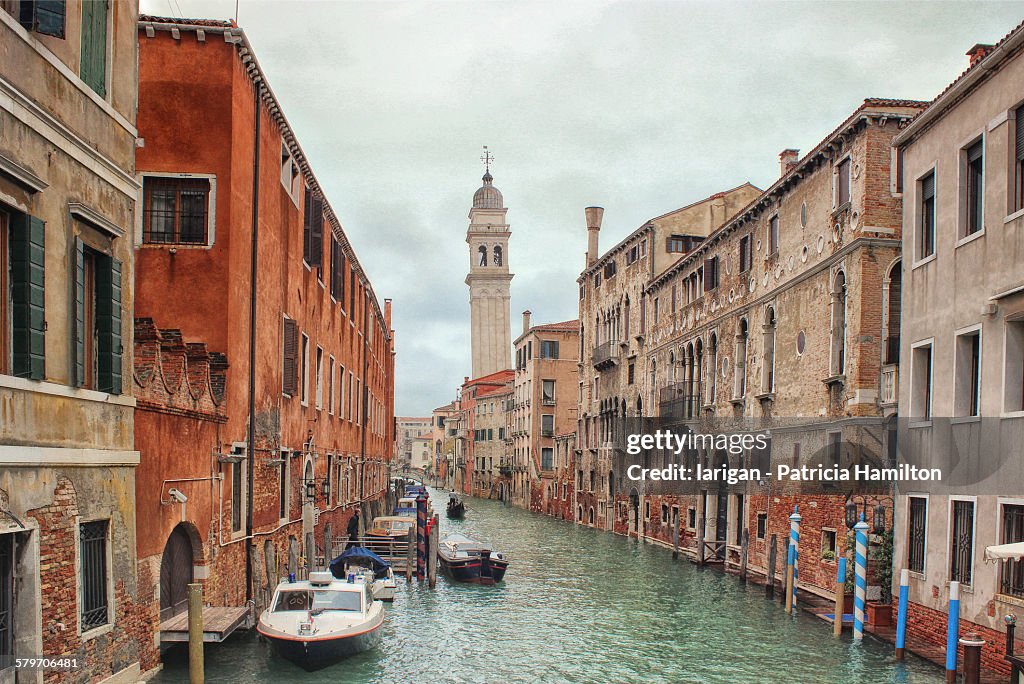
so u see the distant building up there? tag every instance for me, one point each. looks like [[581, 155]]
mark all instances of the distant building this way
[[961, 348], [407, 429], [443, 438], [480, 434], [68, 190], [544, 405]]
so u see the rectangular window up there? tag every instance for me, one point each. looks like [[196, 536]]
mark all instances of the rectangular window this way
[[921, 382], [691, 518], [974, 188], [746, 253], [5, 306], [42, 16], [917, 530], [93, 63], [337, 271], [710, 274], [1013, 395], [966, 388], [304, 389], [762, 525], [331, 396], [631, 373], [1019, 160], [926, 221], [313, 230], [664, 514], [93, 578], [547, 423], [547, 392], [962, 542], [351, 396], [773, 236], [319, 378], [1012, 572], [828, 544], [290, 358], [548, 349], [547, 458], [843, 183], [283, 484], [610, 269], [237, 498], [175, 210]]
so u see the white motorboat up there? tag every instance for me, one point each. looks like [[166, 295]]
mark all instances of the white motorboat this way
[[318, 621]]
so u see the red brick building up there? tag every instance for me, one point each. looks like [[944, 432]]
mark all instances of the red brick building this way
[[287, 425], [480, 448]]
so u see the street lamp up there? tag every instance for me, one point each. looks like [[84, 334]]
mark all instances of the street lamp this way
[[854, 511]]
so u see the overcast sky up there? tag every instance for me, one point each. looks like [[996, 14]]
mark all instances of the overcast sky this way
[[640, 107]]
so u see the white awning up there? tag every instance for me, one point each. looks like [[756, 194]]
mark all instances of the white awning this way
[[1004, 551]]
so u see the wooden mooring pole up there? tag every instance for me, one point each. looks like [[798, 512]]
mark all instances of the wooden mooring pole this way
[[432, 554], [410, 554], [195, 634], [700, 542], [675, 540], [743, 554], [769, 585]]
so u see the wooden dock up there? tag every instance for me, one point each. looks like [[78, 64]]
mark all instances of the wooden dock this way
[[218, 624]]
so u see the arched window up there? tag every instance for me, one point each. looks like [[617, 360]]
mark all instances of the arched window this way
[[698, 375], [768, 370], [653, 382], [482, 251], [591, 515], [839, 325], [740, 362], [497, 255], [894, 286], [627, 319]]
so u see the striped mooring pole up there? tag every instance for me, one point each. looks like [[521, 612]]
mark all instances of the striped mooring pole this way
[[794, 541], [421, 536], [860, 560], [901, 616], [952, 631]]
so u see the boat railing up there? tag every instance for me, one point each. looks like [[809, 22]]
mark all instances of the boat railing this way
[[394, 550]]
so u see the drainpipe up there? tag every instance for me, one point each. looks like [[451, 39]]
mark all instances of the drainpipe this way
[[251, 437]]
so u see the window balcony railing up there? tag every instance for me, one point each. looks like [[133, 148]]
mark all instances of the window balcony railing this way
[[547, 432], [606, 355], [890, 384], [678, 401]]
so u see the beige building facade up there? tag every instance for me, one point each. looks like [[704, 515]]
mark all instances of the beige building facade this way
[[961, 390], [68, 91]]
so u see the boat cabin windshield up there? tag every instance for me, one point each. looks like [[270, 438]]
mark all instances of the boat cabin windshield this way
[[304, 599]]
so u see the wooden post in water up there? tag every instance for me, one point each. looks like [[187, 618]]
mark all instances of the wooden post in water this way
[[195, 634], [769, 585], [789, 578], [840, 596], [432, 554], [410, 554], [700, 541], [743, 554], [675, 540]]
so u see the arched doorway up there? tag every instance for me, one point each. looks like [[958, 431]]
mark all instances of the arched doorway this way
[[176, 572]]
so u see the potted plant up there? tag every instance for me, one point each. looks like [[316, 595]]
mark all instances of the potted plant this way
[[879, 613]]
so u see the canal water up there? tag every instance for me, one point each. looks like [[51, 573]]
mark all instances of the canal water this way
[[578, 605]]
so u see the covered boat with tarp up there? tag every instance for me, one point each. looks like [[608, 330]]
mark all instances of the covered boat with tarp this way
[[358, 559]]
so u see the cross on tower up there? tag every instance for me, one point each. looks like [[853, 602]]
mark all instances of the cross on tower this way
[[487, 158]]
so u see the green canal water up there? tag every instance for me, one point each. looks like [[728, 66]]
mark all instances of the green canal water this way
[[579, 605]]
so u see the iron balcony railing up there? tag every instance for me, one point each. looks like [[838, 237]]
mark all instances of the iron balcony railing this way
[[679, 400], [606, 354]]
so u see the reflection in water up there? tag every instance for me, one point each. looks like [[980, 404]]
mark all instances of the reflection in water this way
[[579, 605]]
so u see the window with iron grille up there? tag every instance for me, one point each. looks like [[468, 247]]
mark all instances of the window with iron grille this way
[[962, 542], [93, 579], [6, 595], [1012, 574], [916, 533], [175, 211]]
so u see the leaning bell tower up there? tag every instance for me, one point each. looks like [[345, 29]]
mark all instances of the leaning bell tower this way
[[489, 279]]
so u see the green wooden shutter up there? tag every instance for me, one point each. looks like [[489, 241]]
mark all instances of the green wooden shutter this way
[[93, 68], [108, 323], [78, 331], [28, 323]]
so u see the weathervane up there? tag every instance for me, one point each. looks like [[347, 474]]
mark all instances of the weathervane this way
[[487, 158]]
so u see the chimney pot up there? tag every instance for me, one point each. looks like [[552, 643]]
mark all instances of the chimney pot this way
[[978, 53], [594, 217], [526, 321], [787, 160]]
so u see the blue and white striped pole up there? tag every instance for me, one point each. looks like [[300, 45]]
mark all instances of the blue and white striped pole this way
[[860, 560], [952, 630], [794, 542], [901, 617]]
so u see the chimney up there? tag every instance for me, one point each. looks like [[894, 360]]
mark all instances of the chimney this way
[[387, 313], [526, 321], [978, 53], [594, 216], [787, 160]]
